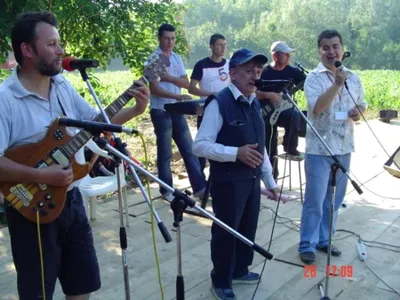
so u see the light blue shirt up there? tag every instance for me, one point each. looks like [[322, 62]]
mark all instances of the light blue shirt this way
[[26, 116], [176, 69]]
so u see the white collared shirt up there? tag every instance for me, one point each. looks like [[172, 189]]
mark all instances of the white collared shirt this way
[[337, 134], [205, 144]]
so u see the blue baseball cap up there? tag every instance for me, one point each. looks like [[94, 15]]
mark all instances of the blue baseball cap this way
[[243, 56]]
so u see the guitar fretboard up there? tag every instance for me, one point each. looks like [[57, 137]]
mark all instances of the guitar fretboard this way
[[82, 137]]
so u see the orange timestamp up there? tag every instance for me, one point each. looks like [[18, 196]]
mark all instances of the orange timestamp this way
[[310, 271]]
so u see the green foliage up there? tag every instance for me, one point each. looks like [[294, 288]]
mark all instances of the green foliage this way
[[101, 29], [370, 28], [382, 88]]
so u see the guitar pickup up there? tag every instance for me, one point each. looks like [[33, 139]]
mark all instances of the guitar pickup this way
[[22, 194], [58, 156]]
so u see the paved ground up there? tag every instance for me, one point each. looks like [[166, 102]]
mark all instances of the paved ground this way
[[373, 216]]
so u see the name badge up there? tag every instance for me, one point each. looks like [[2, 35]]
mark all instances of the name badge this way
[[341, 115]]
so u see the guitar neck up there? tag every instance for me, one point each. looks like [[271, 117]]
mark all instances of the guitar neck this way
[[82, 137], [118, 104]]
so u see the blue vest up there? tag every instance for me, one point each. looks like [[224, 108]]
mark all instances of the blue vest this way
[[242, 125]]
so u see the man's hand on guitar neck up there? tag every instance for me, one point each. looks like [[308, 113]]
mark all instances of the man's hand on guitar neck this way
[[56, 175]]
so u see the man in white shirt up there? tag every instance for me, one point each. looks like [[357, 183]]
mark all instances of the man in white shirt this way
[[334, 98], [232, 137], [169, 126]]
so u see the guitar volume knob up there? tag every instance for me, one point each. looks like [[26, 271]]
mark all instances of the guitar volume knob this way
[[43, 212]]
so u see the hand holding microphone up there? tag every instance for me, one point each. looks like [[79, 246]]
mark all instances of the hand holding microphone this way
[[340, 75]]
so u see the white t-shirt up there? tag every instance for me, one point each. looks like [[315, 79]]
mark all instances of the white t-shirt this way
[[212, 76]]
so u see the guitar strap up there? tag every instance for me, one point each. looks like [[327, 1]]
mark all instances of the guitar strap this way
[[62, 108]]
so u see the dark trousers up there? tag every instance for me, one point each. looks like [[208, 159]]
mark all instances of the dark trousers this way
[[68, 252], [237, 204], [288, 119]]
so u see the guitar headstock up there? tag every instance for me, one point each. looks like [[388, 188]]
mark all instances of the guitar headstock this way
[[155, 66]]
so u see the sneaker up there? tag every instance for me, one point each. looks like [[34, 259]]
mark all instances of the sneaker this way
[[223, 294], [307, 257], [250, 278], [334, 251]]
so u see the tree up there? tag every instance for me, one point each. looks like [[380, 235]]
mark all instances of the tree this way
[[101, 29], [370, 28]]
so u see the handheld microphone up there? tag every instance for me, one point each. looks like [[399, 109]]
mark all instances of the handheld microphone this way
[[70, 63], [95, 127], [338, 64]]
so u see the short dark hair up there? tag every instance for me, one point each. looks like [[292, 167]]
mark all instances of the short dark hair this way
[[24, 30], [165, 27], [328, 34], [216, 37]]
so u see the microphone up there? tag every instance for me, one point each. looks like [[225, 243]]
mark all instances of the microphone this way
[[300, 66], [338, 64], [95, 127], [262, 83], [347, 54], [70, 63]]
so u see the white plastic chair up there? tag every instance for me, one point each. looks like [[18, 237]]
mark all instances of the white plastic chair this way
[[91, 188]]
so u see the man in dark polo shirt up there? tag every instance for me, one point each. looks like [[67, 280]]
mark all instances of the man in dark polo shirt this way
[[289, 119]]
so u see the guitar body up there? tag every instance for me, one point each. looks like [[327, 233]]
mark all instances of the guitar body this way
[[59, 148], [30, 198], [283, 105]]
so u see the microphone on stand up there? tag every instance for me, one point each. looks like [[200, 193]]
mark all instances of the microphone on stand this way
[[300, 66], [71, 64], [347, 54], [274, 84], [95, 127]]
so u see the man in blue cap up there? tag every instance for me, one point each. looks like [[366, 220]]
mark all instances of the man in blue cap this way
[[232, 137]]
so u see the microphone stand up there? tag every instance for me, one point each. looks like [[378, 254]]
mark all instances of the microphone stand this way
[[122, 230], [178, 205], [336, 165]]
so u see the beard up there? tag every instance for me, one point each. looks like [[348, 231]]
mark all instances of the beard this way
[[48, 68]]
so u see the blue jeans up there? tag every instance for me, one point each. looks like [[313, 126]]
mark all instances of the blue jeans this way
[[173, 126], [314, 228]]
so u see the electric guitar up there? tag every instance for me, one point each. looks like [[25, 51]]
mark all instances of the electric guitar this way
[[58, 147], [283, 105]]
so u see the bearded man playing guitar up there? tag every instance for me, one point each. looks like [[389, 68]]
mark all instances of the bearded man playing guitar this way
[[270, 100], [30, 100]]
